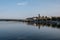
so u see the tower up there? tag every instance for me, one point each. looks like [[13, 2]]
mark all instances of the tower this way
[[38, 15]]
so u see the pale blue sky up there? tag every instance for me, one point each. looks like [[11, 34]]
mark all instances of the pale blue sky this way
[[28, 8]]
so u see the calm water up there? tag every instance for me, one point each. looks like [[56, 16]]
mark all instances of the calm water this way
[[28, 31]]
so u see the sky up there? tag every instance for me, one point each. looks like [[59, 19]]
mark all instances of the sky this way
[[19, 9]]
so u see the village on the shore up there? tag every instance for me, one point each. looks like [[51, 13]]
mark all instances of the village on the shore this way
[[38, 19], [44, 19]]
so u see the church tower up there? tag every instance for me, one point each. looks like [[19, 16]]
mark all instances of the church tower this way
[[38, 15]]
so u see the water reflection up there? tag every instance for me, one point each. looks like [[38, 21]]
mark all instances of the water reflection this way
[[43, 24], [21, 31]]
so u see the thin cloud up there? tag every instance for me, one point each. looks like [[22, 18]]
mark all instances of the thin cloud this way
[[22, 3]]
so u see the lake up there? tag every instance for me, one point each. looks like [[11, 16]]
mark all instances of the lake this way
[[28, 31]]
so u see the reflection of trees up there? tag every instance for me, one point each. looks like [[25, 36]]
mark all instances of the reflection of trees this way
[[38, 25], [30, 23], [55, 18], [43, 24]]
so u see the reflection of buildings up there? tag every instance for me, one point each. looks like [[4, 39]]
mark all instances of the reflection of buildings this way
[[42, 25]]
